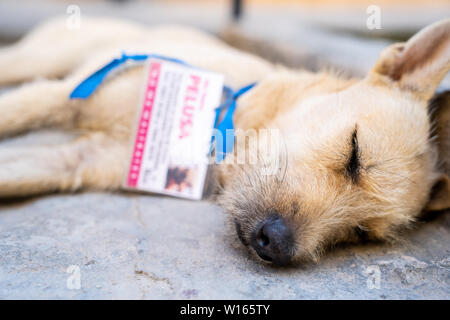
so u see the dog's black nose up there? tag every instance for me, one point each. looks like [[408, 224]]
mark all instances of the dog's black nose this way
[[273, 241]]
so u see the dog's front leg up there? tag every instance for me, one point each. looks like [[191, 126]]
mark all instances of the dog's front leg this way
[[35, 105], [93, 162]]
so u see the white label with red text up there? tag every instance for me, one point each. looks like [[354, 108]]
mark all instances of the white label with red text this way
[[174, 128]]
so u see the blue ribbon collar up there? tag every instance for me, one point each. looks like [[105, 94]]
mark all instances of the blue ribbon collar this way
[[226, 125]]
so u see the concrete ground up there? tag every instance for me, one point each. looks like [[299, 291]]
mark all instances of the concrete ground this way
[[132, 246]]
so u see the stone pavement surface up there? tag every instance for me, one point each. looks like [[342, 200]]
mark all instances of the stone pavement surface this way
[[137, 246], [134, 246]]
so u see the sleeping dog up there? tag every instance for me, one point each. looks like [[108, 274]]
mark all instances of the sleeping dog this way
[[361, 157]]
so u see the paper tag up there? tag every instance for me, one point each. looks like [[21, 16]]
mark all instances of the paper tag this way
[[174, 128]]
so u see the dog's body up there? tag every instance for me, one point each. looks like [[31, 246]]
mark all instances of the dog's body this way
[[358, 152]]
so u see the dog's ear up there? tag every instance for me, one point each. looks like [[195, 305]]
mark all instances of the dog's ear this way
[[418, 65], [440, 119]]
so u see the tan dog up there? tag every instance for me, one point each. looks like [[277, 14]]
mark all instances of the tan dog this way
[[360, 156]]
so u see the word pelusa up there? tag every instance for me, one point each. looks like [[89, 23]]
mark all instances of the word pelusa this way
[[174, 128]]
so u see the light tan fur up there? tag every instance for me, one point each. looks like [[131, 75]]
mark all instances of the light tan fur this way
[[319, 116]]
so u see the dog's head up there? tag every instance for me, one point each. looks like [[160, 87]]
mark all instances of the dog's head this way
[[358, 158]]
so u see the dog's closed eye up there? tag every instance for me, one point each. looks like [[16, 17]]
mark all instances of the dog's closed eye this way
[[353, 165]]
